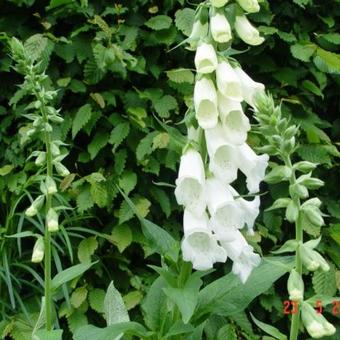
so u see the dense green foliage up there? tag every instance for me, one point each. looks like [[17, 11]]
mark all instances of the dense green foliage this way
[[123, 94]]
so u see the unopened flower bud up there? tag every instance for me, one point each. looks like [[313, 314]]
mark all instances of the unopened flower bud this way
[[218, 3], [49, 186], [250, 6], [61, 169], [55, 149], [52, 220], [292, 212], [298, 190], [308, 258], [38, 250], [305, 166], [41, 159], [35, 206], [313, 214], [295, 286]]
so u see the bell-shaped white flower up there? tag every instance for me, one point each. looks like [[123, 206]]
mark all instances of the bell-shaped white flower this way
[[38, 250], [228, 82], [218, 3], [250, 6], [250, 209], [253, 166], [250, 88], [247, 32], [234, 122], [222, 155], [52, 220], [199, 245], [220, 28], [205, 102], [225, 212], [190, 182], [205, 58], [36, 205], [243, 256]]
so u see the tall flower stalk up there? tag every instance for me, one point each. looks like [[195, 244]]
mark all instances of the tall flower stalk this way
[[42, 116], [300, 210], [214, 212]]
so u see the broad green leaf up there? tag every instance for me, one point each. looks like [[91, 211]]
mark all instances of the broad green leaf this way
[[227, 295], [114, 308], [118, 134], [128, 181], [303, 50], [122, 236], [310, 86], [159, 22], [184, 20], [324, 282], [181, 75], [6, 169], [98, 142], [69, 274], [164, 105], [227, 332], [82, 117], [96, 299], [43, 334], [269, 329], [84, 200], [35, 45], [86, 249], [326, 61], [78, 296], [99, 194], [186, 298], [56, 3], [132, 299]]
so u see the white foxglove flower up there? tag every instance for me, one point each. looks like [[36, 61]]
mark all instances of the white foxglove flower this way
[[250, 209], [190, 182], [36, 205], [222, 155], [205, 102], [52, 220], [199, 31], [250, 88], [205, 58], [243, 256], [220, 28], [228, 82], [234, 122], [199, 245], [218, 3], [225, 212], [253, 166], [38, 250], [49, 186], [247, 32], [250, 6]]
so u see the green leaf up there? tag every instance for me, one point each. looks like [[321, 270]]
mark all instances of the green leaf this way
[[326, 61], [69, 274], [145, 146], [227, 295], [118, 134], [76, 320], [310, 86], [6, 169], [164, 105], [111, 332], [184, 20], [333, 38], [128, 181], [114, 308], [97, 143], [78, 296], [35, 45], [120, 161], [162, 199], [122, 237], [269, 329], [159, 22], [96, 299], [302, 3], [82, 117], [56, 3], [186, 298], [86, 249], [303, 50], [84, 200], [227, 332], [288, 246], [314, 153], [43, 334], [99, 194], [181, 75], [324, 282]]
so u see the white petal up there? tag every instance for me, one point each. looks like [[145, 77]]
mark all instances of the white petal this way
[[228, 82], [222, 155], [190, 182], [220, 28], [205, 58], [253, 166], [251, 6], [234, 122], [193, 222], [249, 87], [205, 101], [247, 32], [218, 3]]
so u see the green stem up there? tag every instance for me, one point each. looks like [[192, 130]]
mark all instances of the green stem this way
[[295, 324], [47, 236]]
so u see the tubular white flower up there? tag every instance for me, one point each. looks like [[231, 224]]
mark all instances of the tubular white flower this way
[[228, 82], [234, 122], [220, 28], [250, 209], [247, 32], [250, 6], [243, 256], [205, 102], [225, 212], [222, 155], [250, 88], [190, 182], [199, 245], [253, 166], [205, 58], [36, 205], [218, 3], [38, 250], [52, 220]]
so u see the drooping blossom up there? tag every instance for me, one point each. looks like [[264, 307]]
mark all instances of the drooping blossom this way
[[205, 58], [247, 32]]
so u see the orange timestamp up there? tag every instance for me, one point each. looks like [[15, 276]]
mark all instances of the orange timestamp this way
[[292, 307]]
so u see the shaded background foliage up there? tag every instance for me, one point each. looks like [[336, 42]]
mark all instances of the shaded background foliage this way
[[123, 106]]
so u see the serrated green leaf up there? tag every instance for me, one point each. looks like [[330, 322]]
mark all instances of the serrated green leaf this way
[[184, 20], [128, 181], [326, 61], [96, 299], [99, 194], [35, 45], [118, 134], [324, 282], [98, 142], [164, 105], [78, 296], [84, 200], [181, 75], [86, 249], [76, 320], [122, 236], [120, 161], [303, 51], [83, 115], [145, 145]]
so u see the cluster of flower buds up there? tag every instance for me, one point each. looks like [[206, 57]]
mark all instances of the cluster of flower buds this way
[[214, 212]]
